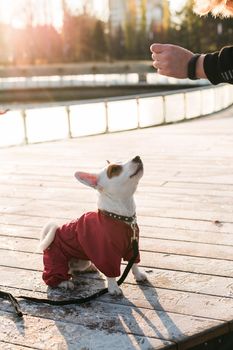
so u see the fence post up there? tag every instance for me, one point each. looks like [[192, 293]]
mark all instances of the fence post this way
[[106, 115], [138, 113], [68, 121], [24, 116]]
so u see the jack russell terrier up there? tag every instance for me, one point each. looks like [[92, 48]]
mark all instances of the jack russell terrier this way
[[97, 239]]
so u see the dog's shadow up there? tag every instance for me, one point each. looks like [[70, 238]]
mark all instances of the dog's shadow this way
[[171, 330], [147, 317], [98, 322]]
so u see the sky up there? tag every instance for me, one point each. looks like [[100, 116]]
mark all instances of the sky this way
[[176, 4], [11, 10]]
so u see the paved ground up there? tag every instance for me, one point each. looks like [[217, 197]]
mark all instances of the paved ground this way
[[184, 207]]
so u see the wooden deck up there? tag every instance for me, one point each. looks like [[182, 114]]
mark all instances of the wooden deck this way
[[185, 212]]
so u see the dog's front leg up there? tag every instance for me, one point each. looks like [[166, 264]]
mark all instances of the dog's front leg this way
[[67, 285], [113, 287], [138, 275]]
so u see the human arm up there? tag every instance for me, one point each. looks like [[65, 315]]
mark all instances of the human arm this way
[[219, 66], [172, 60]]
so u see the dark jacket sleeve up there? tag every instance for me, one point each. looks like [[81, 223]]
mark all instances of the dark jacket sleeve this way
[[218, 66]]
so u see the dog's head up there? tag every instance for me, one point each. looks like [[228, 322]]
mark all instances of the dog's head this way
[[116, 179]]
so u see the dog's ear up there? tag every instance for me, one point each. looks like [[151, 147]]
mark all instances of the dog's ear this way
[[87, 178]]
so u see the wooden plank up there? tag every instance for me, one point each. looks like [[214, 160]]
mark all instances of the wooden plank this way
[[19, 244], [46, 333], [9, 346], [145, 296], [27, 220], [173, 234], [186, 224], [203, 226], [14, 264], [50, 196], [149, 200], [192, 187], [43, 208], [218, 238], [166, 172], [83, 195], [192, 264], [159, 198], [174, 212], [49, 193], [65, 169], [214, 251], [121, 319], [11, 258], [29, 184], [19, 231]]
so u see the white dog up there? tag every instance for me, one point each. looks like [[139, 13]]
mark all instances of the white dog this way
[[97, 239]]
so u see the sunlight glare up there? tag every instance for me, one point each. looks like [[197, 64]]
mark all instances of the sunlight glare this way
[[19, 13]]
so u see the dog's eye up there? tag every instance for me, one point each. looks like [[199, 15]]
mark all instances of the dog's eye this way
[[114, 170]]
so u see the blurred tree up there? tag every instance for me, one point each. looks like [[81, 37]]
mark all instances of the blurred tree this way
[[67, 30], [5, 53], [28, 12], [99, 42], [116, 44], [131, 29], [142, 34], [142, 25], [77, 34], [49, 50], [166, 15]]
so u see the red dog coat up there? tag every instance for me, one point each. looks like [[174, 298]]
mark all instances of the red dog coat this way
[[95, 237]]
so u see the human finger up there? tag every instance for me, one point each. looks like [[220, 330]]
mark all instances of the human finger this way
[[157, 64], [153, 56], [157, 56], [157, 48]]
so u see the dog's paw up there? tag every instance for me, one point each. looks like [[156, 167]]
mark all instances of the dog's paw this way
[[66, 285], [91, 268], [115, 291], [140, 277], [113, 287]]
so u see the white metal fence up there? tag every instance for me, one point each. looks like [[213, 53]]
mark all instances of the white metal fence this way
[[55, 122]]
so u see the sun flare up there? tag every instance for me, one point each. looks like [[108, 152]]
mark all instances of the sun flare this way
[[19, 13]]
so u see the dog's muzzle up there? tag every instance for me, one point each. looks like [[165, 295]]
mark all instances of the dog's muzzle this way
[[139, 163]]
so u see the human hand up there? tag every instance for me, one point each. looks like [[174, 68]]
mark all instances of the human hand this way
[[171, 60]]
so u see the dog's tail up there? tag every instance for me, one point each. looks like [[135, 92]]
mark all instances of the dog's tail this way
[[47, 235]]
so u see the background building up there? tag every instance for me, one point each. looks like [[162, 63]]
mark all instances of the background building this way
[[148, 13]]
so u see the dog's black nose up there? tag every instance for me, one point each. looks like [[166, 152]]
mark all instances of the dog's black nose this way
[[137, 159]]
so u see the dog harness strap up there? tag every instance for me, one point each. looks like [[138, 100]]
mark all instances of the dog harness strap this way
[[130, 263], [13, 301], [77, 301]]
